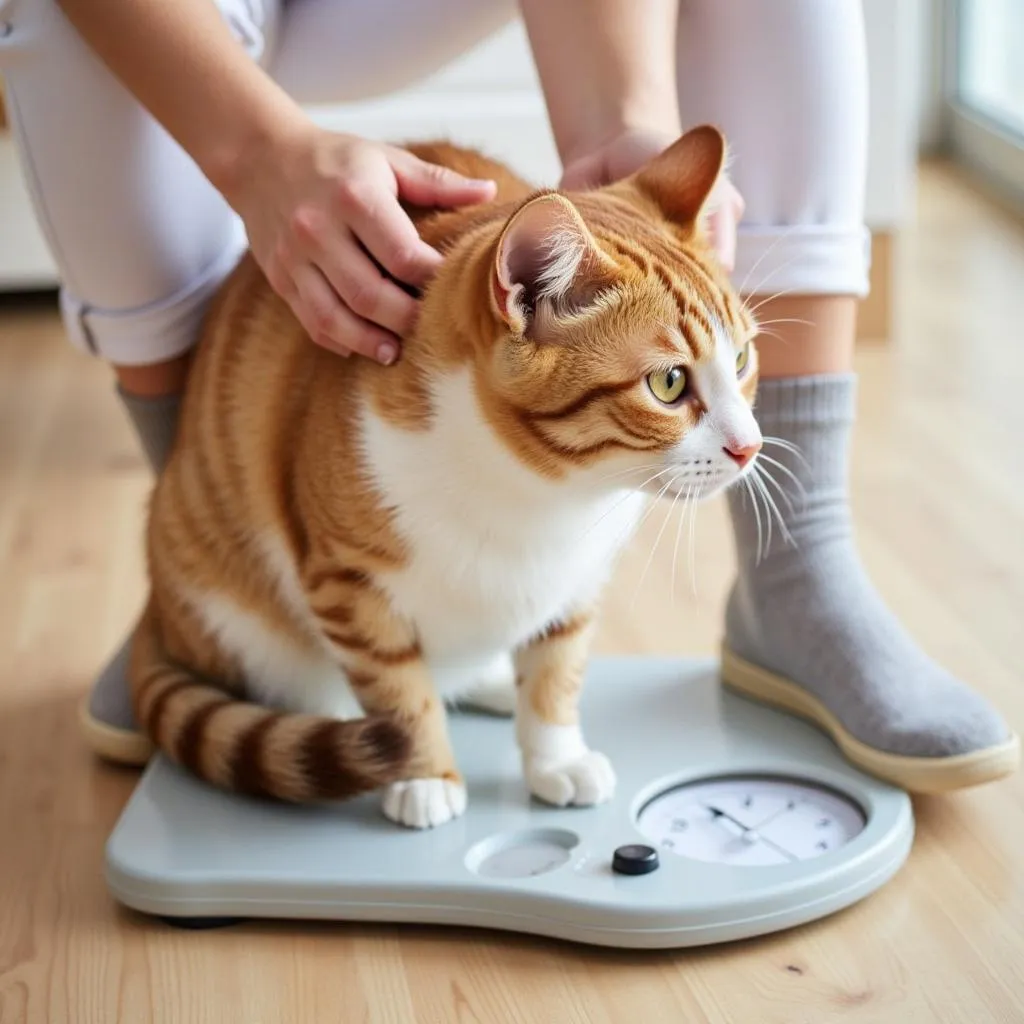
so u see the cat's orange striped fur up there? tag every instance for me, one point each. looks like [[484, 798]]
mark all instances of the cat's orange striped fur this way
[[327, 528]]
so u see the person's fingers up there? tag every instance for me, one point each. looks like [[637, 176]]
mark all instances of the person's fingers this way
[[354, 278], [375, 218], [723, 236], [729, 226], [333, 325], [584, 174], [427, 184]]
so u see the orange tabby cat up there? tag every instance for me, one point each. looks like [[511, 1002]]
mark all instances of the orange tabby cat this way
[[337, 548]]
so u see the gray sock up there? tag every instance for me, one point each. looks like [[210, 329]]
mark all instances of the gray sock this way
[[155, 421], [810, 614]]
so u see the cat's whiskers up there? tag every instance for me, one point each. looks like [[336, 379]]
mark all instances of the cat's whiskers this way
[[764, 472], [765, 299], [654, 501], [657, 540], [692, 557], [785, 469], [750, 273], [757, 289], [781, 293], [773, 334], [772, 507], [626, 472], [762, 324], [607, 512], [788, 446], [759, 487], [675, 548], [757, 517]]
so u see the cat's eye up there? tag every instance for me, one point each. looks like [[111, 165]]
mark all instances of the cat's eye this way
[[742, 359], [668, 386]]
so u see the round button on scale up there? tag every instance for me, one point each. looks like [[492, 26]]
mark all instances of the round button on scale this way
[[635, 859]]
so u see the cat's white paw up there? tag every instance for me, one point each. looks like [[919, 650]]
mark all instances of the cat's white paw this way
[[583, 780], [496, 690], [424, 803]]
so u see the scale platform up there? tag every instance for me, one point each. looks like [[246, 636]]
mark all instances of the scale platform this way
[[730, 820]]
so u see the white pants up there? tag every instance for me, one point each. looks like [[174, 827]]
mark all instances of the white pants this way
[[142, 240]]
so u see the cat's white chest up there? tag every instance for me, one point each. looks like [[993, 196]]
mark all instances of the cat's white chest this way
[[469, 592], [497, 553]]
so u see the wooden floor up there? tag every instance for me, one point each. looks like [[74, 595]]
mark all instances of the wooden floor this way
[[939, 494]]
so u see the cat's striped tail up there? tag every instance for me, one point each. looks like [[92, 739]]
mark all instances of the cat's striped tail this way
[[247, 748]]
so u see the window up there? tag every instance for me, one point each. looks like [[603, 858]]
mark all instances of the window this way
[[991, 73], [985, 88]]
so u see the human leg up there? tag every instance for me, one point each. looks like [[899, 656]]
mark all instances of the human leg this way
[[140, 238], [343, 51], [805, 627]]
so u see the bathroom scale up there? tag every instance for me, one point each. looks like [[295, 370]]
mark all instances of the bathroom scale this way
[[729, 820]]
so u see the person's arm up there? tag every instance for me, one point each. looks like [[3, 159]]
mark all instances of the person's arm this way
[[311, 199], [608, 71], [606, 67], [182, 62]]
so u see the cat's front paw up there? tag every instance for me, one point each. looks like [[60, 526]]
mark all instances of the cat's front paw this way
[[424, 803], [583, 780]]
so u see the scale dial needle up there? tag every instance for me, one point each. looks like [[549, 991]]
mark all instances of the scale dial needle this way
[[748, 835]]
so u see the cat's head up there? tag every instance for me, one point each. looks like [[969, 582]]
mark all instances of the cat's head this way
[[620, 343]]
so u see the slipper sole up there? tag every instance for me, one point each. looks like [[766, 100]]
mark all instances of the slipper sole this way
[[121, 746], [913, 774]]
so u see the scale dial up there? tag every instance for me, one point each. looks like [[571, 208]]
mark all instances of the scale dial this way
[[750, 820]]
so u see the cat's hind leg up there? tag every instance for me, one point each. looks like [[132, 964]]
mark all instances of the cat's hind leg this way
[[396, 681], [385, 667]]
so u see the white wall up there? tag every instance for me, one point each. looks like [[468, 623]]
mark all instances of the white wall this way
[[25, 261], [928, 100], [894, 59]]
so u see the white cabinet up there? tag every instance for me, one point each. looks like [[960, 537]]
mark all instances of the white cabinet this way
[[25, 261], [490, 98]]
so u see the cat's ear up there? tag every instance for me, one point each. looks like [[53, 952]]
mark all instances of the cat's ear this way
[[546, 260], [681, 179]]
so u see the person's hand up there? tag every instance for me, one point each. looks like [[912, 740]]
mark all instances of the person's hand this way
[[628, 152], [318, 206]]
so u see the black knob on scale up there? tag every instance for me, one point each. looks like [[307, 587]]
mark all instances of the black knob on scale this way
[[635, 859]]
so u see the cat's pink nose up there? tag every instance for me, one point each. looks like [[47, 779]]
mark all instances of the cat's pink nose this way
[[741, 454]]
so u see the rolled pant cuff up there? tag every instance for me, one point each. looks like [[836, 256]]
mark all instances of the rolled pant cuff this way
[[803, 260], [153, 333]]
